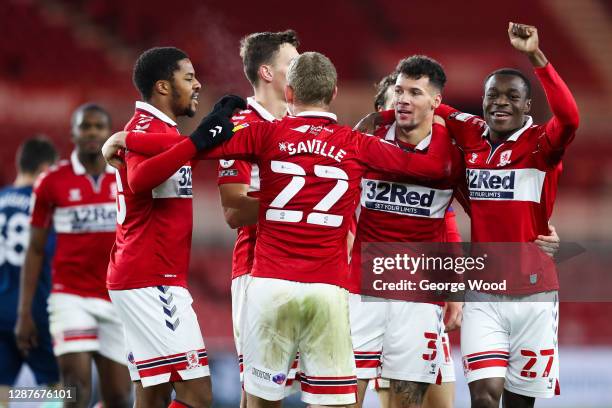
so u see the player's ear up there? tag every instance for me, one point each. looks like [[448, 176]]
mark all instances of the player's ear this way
[[289, 94], [437, 100], [162, 87], [528, 105], [265, 72], [334, 94]]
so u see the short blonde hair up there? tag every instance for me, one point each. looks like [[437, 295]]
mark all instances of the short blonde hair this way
[[313, 77]]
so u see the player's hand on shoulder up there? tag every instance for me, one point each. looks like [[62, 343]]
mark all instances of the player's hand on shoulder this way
[[216, 127], [229, 104], [111, 148], [368, 123], [439, 120]]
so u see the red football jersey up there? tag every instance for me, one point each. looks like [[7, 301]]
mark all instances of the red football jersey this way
[[82, 210], [154, 214], [512, 187], [310, 170], [243, 172], [396, 209]]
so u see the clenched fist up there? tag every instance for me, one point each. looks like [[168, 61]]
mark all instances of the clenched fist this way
[[525, 39]]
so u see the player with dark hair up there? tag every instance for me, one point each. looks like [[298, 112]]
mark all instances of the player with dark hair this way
[[76, 198], [394, 334], [266, 57], [510, 347], [383, 100], [34, 156], [147, 274], [311, 169]]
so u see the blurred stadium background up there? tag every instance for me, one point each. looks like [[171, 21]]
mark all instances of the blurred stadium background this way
[[57, 54]]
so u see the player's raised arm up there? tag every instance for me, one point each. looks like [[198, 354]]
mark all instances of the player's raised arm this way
[[560, 130], [433, 165]]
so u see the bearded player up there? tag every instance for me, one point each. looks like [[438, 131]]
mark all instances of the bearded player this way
[[397, 334], [147, 273]]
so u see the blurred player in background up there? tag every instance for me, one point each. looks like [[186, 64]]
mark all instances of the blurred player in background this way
[[391, 333], [510, 348], [265, 57], [147, 274], [34, 156], [77, 198]]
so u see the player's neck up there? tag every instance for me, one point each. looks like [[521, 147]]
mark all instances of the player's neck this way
[[270, 100], [299, 108], [413, 135], [24, 180], [500, 137], [94, 163], [162, 105]]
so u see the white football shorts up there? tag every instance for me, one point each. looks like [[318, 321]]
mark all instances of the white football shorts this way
[[282, 317], [162, 334], [85, 324], [404, 336], [239, 285], [515, 340]]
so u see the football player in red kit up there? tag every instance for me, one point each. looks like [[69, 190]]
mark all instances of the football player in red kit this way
[[77, 199], [266, 57], [510, 347], [147, 273]]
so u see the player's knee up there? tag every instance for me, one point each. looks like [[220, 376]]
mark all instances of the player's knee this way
[[196, 400], [73, 379], [118, 400], [485, 400]]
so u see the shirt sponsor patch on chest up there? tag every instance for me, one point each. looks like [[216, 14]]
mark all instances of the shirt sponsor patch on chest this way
[[404, 199], [177, 186], [100, 217], [510, 184]]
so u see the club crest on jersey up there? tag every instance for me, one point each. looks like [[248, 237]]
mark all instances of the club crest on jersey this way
[[193, 361], [473, 158], [74, 194], [226, 163], [504, 158]]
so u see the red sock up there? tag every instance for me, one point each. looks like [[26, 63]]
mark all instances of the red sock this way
[[178, 404]]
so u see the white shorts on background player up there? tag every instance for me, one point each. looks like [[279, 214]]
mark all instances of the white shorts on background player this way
[[239, 286], [162, 333], [282, 317], [515, 340], [85, 324], [404, 336]]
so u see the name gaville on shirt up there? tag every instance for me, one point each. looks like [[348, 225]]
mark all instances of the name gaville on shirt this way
[[313, 146]]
